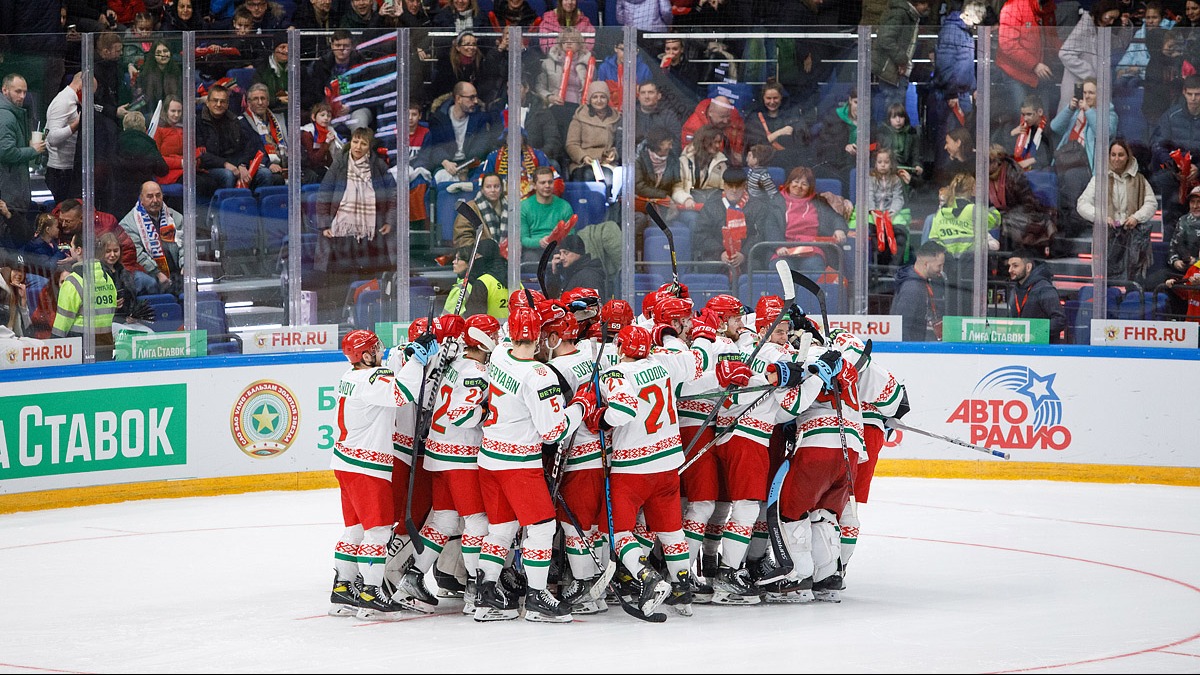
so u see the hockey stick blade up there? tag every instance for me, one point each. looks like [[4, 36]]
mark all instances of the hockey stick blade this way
[[543, 263], [786, 276], [652, 211], [897, 424], [464, 209]]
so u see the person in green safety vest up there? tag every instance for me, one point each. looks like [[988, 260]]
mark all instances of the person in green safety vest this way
[[487, 292], [69, 321], [953, 227]]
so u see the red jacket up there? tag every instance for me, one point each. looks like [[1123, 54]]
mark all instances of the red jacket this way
[[1027, 38], [170, 145], [735, 134], [126, 10]]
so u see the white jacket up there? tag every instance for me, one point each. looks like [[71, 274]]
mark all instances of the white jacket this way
[[1119, 202]]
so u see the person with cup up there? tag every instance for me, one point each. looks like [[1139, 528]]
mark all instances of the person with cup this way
[[19, 148]]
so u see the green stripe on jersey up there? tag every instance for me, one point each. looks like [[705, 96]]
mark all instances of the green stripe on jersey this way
[[361, 463], [535, 457], [651, 458]]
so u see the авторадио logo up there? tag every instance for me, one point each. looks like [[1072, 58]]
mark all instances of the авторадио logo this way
[[265, 419], [1015, 408]]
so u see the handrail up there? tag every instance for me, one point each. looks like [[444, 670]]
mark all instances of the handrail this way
[[822, 243]]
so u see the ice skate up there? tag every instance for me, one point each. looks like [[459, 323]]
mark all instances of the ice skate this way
[[681, 597], [828, 589], [412, 588], [469, 599], [542, 607], [376, 605], [651, 590], [344, 598], [493, 603]]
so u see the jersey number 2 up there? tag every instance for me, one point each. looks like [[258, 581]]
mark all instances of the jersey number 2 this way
[[653, 394]]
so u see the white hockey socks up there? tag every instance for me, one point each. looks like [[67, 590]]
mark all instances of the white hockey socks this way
[[798, 540], [494, 552], [475, 528], [345, 553], [849, 531], [675, 552], [738, 531], [826, 544], [695, 521], [439, 527], [578, 549], [630, 551], [536, 552], [372, 554], [715, 528]]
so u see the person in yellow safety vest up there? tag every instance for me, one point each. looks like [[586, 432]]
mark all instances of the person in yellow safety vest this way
[[486, 290], [69, 321], [953, 226]]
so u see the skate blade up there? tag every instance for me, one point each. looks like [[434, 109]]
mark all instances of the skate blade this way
[[538, 617], [415, 605], [468, 609], [827, 596], [661, 591], [683, 610], [365, 614], [790, 598], [723, 598], [699, 598], [493, 614], [343, 610], [588, 608], [600, 588], [443, 593]]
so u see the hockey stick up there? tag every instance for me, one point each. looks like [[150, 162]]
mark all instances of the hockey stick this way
[[789, 294], [606, 571], [464, 209], [703, 396], [612, 537], [418, 446], [652, 211], [543, 263], [897, 424], [560, 461]]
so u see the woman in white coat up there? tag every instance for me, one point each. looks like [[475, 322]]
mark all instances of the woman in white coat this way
[[1131, 205]]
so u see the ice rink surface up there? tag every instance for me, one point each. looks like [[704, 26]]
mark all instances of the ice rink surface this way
[[949, 576]]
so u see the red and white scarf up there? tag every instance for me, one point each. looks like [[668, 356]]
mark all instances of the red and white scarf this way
[[1028, 143]]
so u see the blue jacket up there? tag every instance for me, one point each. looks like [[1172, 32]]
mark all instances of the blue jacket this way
[[954, 71], [1061, 124], [912, 302], [607, 70], [481, 138], [1176, 129]]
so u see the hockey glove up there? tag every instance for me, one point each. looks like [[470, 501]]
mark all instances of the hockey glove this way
[[449, 327], [827, 367], [797, 319], [422, 349], [705, 325], [733, 373], [585, 397], [661, 332], [594, 421], [788, 373]]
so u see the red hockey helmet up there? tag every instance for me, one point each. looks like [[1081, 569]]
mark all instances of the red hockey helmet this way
[[359, 342], [683, 290], [634, 342], [579, 294], [671, 308], [725, 306], [449, 327], [524, 324], [518, 298], [649, 301], [557, 320], [765, 311], [616, 314], [481, 331], [417, 328]]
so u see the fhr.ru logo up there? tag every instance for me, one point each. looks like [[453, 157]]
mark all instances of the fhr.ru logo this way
[[1014, 408]]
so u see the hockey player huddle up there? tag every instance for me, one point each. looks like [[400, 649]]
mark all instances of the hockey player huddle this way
[[687, 455]]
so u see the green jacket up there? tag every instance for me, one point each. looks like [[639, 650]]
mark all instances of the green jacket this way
[[15, 155], [895, 42], [69, 320]]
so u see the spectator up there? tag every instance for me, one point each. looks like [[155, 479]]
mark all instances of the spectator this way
[[540, 214], [266, 134], [169, 139], [15, 313], [491, 203], [272, 72], [652, 113], [460, 138], [1131, 206], [1033, 295], [227, 152], [356, 211], [1178, 129], [361, 15], [647, 15], [63, 176], [109, 255], [572, 267], [657, 173], [137, 160], [152, 225], [70, 220], [160, 76], [954, 227], [719, 113], [892, 52], [531, 158], [783, 129], [18, 150], [316, 15], [592, 137], [837, 143], [137, 47], [1164, 73], [1191, 15], [1132, 67], [458, 15], [1186, 240], [45, 311], [759, 183], [487, 289], [43, 253], [1075, 156], [320, 142], [567, 15], [611, 70], [89, 16], [960, 153], [954, 69], [1032, 140], [1025, 221], [919, 294], [267, 16], [69, 320], [1028, 44], [807, 217], [887, 193], [512, 13], [700, 167], [467, 62], [342, 56], [1078, 53], [549, 82], [727, 228], [124, 12], [679, 78], [542, 127], [181, 16], [899, 135]]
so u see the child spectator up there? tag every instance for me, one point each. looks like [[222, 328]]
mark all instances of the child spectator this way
[[110, 261], [887, 208], [42, 252], [898, 135], [759, 183], [319, 140]]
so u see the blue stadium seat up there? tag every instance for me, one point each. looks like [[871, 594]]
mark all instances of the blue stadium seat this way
[[910, 104], [591, 9], [777, 175], [829, 185], [656, 249], [236, 230], [1132, 307], [763, 283], [588, 200], [702, 286], [367, 308], [1045, 186], [168, 316], [210, 316], [269, 190], [273, 214]]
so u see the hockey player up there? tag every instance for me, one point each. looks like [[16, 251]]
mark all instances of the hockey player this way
[[524, 411], [646, 453], [450, 458], [615, 315], [646, 318], [367, 397]]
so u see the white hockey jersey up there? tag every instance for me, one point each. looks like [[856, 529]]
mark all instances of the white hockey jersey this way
[[760, 416], [878, 390], [456, 429], [525, 409], [366, 416], [816, 418], [641, 409], [693, 413], [577, 368]]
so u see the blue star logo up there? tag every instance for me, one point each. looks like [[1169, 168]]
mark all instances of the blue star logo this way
[[1044, 402], [1038, 389]]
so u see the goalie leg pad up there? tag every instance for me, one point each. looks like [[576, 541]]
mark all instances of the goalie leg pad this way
[[798, 539], [826, 544]]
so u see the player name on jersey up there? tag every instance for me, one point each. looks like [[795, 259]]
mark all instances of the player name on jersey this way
[[38, 353], [290, 339], [1114, 332]]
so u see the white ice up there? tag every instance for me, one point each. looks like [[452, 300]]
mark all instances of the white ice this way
[[950, 576]]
